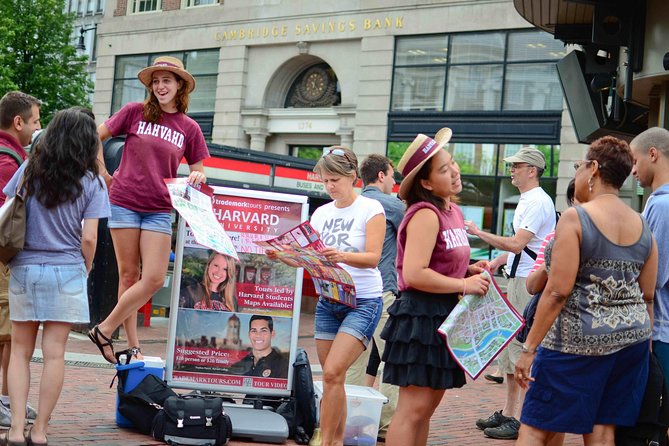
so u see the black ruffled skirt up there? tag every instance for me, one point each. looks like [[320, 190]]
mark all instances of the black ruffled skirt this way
[[415, 353]]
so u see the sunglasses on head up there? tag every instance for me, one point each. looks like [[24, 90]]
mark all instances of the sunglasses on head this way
[[338, 152]]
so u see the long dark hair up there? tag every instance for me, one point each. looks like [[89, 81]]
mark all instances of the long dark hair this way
[[64, 154]]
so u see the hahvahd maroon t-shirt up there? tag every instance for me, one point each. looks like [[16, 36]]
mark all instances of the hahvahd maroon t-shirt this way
[[152, 152]]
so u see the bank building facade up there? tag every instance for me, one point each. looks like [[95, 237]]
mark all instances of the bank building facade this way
[[291, 77]]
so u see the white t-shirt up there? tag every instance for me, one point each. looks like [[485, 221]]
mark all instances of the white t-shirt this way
[[344, 229], [535, 213]]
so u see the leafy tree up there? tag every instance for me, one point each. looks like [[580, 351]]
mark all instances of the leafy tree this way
[[37, 55]]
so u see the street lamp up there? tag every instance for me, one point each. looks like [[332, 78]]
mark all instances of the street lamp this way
[[81, 46]]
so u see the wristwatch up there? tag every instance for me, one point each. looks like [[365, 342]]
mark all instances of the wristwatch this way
[[524, 349]]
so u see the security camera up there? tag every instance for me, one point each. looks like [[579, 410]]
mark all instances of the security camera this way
[[665, 61]]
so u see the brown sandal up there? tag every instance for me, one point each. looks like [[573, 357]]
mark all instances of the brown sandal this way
[[30, 441], [94, 335], [4, 441]]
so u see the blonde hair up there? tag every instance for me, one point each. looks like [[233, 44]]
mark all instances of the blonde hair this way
[[337, 164], [226, 288]]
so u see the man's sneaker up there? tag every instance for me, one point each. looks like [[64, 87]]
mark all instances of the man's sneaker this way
[[31, 414], [494, 420], [507, 431], [5, 416]]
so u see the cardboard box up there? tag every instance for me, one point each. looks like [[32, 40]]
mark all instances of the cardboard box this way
[[363, 413], [137, 371]]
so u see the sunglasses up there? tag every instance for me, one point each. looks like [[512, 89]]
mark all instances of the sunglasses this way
[[342, 153]]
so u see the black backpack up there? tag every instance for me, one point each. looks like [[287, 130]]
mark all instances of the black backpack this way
[[300, 410], [192, 420]]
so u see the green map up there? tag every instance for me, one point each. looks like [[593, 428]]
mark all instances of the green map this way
[[479, 327]]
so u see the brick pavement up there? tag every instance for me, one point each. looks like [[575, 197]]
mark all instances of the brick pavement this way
[[86, 410]]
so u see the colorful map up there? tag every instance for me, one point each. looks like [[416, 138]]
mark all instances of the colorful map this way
[[479, 327]]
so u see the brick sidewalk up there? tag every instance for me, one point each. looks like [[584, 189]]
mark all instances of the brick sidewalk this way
[[86, 410]]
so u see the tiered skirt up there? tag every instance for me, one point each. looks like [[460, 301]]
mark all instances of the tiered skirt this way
[[415, 353]]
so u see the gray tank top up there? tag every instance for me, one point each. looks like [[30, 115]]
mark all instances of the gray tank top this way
[[605, 311]]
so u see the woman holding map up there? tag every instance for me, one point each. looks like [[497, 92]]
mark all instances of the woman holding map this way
[[353, 228], [432, 264], [159, 136], [589, 344]]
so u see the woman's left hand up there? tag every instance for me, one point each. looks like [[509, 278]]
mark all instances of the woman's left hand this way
[[478, 267], [333, 255], [523, 367], [196, 177]]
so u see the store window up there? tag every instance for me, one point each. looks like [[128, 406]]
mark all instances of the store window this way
[[139, 6], [490, 71], [202, 64]]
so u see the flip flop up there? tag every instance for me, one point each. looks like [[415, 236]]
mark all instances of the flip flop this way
[[4, 441], [94, 335], [30, 441]]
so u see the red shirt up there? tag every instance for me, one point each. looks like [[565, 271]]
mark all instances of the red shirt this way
[[8, 165], [450, 255], [152, 152]]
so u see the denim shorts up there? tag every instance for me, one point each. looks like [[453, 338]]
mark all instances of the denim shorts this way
[[359, 322], [48, 293], [123, 218], [572, 393]]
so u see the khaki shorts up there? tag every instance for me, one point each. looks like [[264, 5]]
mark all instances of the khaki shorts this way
[[5, 324], [518, 296]]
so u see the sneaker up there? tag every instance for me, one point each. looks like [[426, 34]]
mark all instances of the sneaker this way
[[495, 379], [316, 438], [507, 431], [5, 416], [494, 420], [31, 414]]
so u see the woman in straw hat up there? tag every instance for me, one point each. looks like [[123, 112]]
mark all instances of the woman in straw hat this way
[[353, 227], [159, 135], [432, 265]]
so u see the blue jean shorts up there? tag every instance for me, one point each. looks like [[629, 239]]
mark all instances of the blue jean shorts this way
[[572, 393], [48, 293], [123, 218], [359, 322]]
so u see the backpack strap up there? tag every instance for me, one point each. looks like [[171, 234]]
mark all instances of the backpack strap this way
[[516, 260], [15, 156]]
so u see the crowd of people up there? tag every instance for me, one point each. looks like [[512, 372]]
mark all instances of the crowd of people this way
[[598, 275]]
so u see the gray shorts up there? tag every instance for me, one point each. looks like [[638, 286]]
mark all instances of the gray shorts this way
[[518, 296]]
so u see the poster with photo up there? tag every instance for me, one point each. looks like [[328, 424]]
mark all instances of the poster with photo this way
[[234, 322]]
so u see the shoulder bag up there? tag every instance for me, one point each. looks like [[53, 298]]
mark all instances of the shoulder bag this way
[[13, 225]]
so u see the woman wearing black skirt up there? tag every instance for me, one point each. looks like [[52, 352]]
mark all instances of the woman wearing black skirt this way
[[432, 262]]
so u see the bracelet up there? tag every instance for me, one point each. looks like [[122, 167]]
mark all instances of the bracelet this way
[[525, 349], [464, 287]]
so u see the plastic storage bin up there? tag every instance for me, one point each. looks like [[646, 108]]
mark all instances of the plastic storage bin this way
[[137, 370], [363, 413]]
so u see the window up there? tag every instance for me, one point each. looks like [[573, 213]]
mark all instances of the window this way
[[470, 72], [146, 6], [101, 6], [195, 3], [90, 6], [202, 64]]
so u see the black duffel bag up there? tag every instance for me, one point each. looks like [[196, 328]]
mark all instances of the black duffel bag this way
[[192, 420]]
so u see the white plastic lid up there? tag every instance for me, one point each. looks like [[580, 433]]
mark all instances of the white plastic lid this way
[[149, 361]]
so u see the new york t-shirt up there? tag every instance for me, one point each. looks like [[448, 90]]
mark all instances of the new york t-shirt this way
[[345, 229], [152, 152]]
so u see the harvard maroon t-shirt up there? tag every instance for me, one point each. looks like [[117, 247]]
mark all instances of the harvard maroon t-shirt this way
[[152, 152]]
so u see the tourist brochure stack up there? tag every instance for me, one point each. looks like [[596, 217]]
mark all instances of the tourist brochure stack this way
[[479, 327]]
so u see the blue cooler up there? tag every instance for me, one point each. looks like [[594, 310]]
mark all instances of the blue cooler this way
[[136, 373]]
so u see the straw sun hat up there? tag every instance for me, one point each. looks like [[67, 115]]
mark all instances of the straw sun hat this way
[[167, 63], [419, 151]]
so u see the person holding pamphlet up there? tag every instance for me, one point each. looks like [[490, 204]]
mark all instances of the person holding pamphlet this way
[[352, 227], [593, 320], [159, 136], [432, 266]]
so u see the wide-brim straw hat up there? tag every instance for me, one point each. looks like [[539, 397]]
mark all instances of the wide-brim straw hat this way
[[167, 63], [419, 151]]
